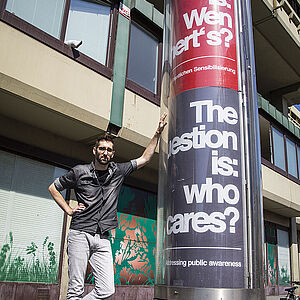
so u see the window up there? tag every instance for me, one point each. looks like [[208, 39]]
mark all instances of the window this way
[[283, 257], [278, 149], [44, 14], [30, 220], [265, 140], [143, 58], [291, 157], [89, 21], [277, 258], [57, 21]]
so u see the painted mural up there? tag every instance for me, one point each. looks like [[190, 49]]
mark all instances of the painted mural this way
[[134, 240], [272, 265], [37, 263], [277, 256]]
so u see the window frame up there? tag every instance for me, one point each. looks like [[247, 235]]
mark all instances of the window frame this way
[[59, 45], [286, 134], [157, 32]]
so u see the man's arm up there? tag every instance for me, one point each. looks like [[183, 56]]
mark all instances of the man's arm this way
[[149, 151], [59, 199]]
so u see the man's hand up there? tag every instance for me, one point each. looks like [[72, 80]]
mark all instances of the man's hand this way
[[149, 151], [80, 207], [162, 123], [56, 195]]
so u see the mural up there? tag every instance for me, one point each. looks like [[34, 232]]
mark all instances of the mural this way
[[272, 265], [277, 255], [134, 241], [38, 264]]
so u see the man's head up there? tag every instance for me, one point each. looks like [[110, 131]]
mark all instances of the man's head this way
[[104, 149]]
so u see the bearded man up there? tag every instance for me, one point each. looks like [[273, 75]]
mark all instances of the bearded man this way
[[97, 186]]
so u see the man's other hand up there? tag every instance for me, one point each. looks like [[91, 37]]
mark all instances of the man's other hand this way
[[80, 207]]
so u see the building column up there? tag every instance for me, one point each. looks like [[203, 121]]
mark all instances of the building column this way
[[120, 69]]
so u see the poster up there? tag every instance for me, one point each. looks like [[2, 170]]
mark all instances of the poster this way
[[204, 216]]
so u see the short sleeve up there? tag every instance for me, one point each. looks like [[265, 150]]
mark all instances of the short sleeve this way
[[128, 168], [67, 181]]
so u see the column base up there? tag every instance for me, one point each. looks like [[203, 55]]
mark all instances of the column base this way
[[190, 293]]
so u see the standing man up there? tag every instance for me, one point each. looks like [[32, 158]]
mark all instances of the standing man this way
[[97, 186]]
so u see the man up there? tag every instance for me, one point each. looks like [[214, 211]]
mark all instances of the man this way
[[97, 186]]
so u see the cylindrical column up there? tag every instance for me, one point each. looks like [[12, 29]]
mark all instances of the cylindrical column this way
[[209, 238]]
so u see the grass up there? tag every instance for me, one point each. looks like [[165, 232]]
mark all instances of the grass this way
[[33, 267]]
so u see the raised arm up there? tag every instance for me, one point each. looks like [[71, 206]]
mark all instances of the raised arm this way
[[149, 151]]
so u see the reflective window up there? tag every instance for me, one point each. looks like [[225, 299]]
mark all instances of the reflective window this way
[[284, 272], [89, 21], [44, 14], [278, 149], [291, 157], [143, 58], [265, 140]]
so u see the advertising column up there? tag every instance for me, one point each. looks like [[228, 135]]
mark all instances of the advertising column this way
[[203, 196]]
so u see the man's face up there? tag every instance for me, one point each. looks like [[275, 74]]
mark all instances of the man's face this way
[[104, 152]]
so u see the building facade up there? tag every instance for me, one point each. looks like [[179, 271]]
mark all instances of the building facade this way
[[55, 100]]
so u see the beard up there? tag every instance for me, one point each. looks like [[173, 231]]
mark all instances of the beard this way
[[102, 160]]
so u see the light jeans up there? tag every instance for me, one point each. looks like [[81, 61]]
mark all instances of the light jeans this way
[[84, 248]]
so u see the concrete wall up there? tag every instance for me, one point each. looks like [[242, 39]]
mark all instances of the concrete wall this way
[[34, 71], [281, 195], [140, 119]]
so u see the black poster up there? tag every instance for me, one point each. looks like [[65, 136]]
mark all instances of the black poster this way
[[204, 215]]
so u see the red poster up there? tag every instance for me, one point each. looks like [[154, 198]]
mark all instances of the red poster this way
[[203, 45]]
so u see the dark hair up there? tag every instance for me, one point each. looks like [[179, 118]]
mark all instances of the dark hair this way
[[106, 137]]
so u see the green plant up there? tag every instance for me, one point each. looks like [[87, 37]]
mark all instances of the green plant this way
[[4, 250], [284, 276], [41, 267], [52, 261], [32, 249]]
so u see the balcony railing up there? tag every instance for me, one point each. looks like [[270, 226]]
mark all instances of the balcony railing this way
[[291, 8], [295, 6]]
